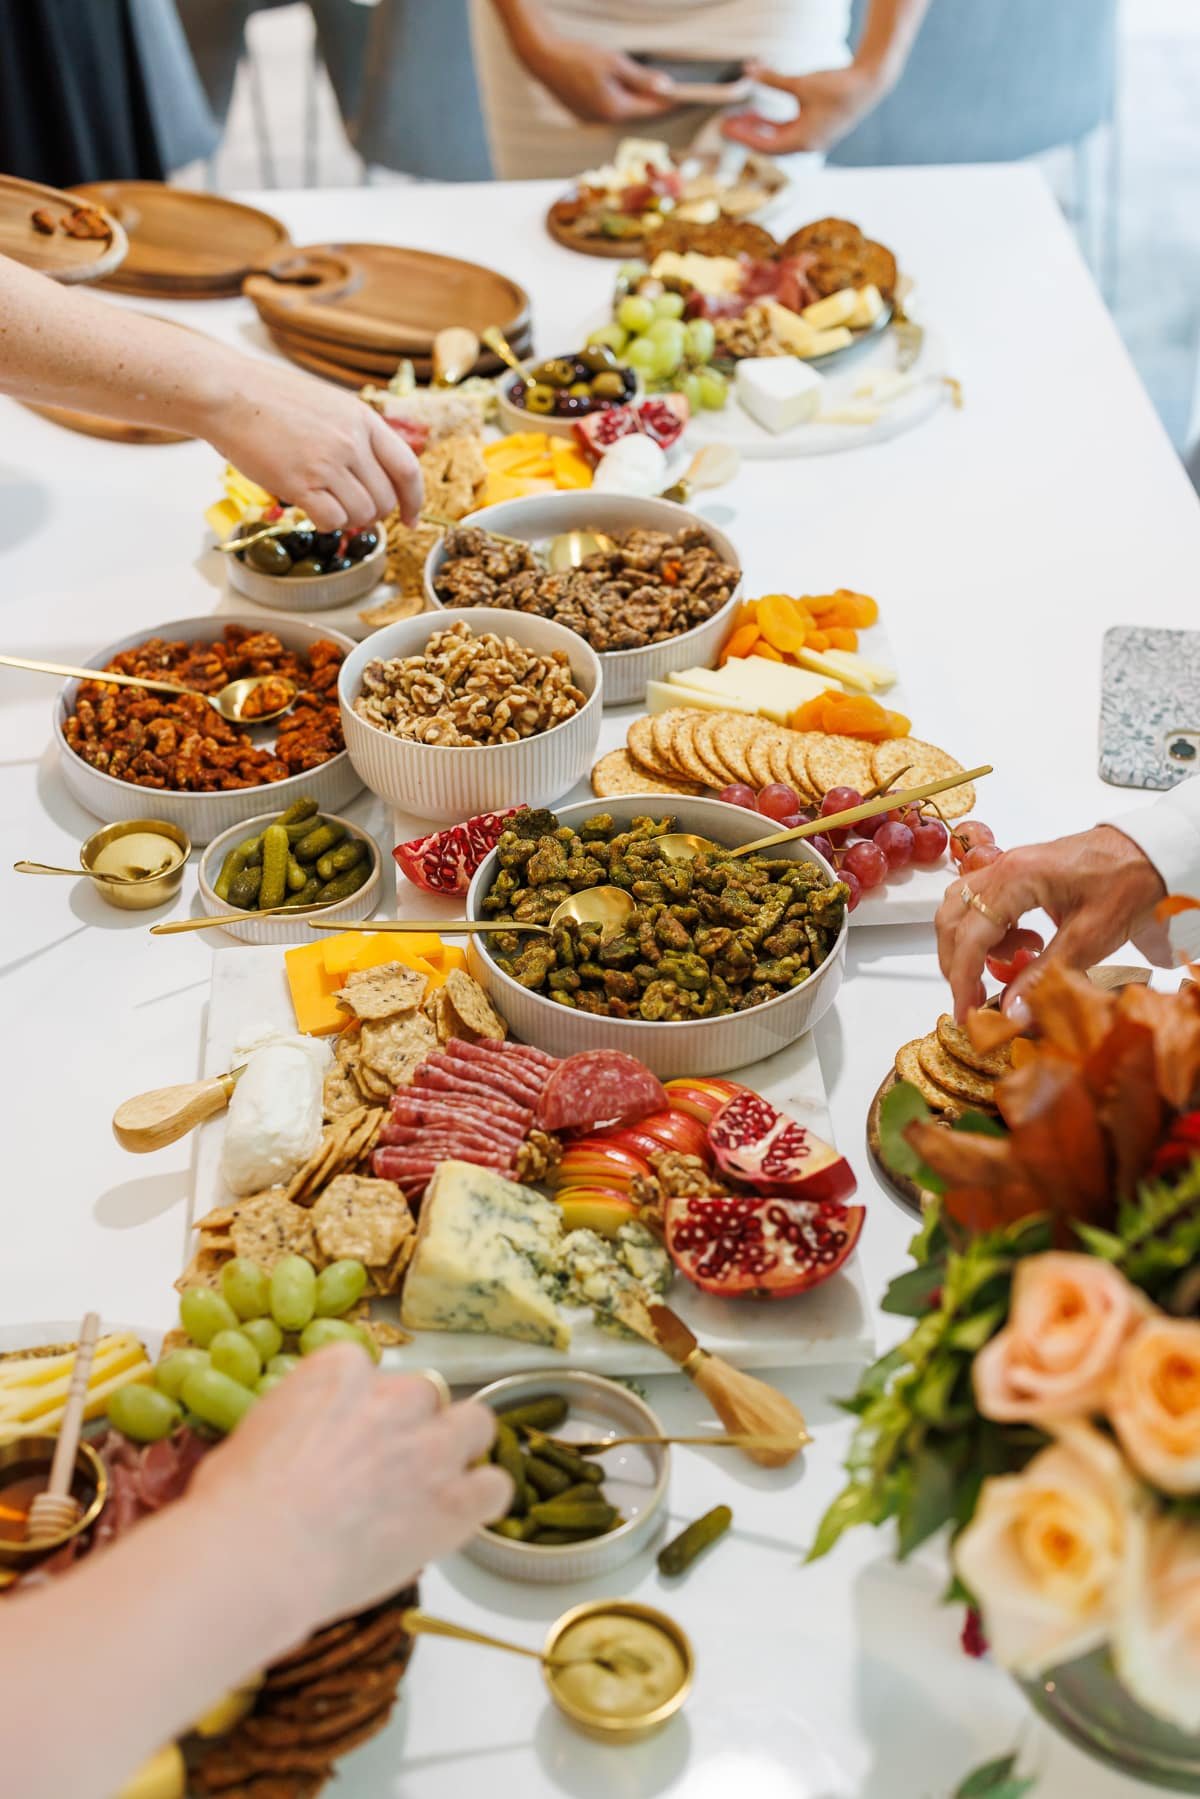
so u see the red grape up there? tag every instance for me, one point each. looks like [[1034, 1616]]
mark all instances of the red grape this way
[[1015, 951], [929, 837], [739, 794], [896, 843], [866, 863], [822, 846], [854, 884], [840, 799], [867, 827], [982, 856], [778, 801], [968, 836]]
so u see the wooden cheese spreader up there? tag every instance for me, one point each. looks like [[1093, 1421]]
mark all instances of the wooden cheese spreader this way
[[153, 1120]]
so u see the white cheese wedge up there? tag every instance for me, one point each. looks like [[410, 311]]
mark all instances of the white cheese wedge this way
[[698, 212], [778, 392], [824, 343], [882, 386], [788, 328], [834, 309], [707, 274], [820, 664], [868, 306], [772, 689], [851, 664], [486, 1259], [661, 696], [858, 412]]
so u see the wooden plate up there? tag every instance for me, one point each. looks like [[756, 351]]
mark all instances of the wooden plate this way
[[399, 301], [372, 362], [65, 258], [183, 243], [765, 173], [93, 424], [900, 1186]]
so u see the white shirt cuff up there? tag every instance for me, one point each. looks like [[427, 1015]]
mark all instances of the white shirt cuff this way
[[1169, 836]]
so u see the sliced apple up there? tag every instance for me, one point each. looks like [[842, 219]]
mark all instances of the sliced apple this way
[[594, 1209], [597, 1162]]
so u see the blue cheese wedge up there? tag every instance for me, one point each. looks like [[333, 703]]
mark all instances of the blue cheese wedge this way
[[597, 1272], [487, 1259]]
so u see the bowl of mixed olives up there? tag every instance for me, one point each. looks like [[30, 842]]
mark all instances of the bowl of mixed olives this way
[[297, 569], [566, 388]]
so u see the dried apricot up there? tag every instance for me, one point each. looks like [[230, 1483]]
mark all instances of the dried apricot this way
[[782, 623], [841, 637], [898, 725], [740, 642], [763, 648]]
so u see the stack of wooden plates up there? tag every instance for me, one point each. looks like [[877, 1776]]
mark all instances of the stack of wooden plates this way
[[185, 245], [47, 246], [351, 312]]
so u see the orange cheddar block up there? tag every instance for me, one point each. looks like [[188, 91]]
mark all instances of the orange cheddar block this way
[[354, 949], [313, 990], [569, 465], [453, 957]]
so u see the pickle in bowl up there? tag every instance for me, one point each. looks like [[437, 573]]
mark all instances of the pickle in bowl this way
[[300, 858]]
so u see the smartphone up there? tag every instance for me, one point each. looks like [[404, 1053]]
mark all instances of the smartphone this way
[[702, 82], [1149, 707]]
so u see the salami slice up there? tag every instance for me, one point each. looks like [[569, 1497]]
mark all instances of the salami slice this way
[[498, 1079], [598, 1087], [524, 1075], [526, 1052], [396, 1165], [440, 1080], [440, 1110], [410, 1129], [446, 1143]]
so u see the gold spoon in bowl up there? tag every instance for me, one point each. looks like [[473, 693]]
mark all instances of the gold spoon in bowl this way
[[229, 701], [419, 1623], [592, 905]]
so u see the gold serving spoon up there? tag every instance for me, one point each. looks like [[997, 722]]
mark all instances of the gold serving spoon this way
[[592, 905], [455, 351], [420, 1624], [229, 701], [81, 873], [712, 466], [174, 927], [499, 345], [730, 1439], [565, 550], [683, 845]]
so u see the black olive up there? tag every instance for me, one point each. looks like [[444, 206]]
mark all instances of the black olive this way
[[335, 564], [361, 544], [268, 557], [299, 544], [326, 543]]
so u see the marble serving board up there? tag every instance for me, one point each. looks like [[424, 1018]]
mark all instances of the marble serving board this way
[[832, 1324]]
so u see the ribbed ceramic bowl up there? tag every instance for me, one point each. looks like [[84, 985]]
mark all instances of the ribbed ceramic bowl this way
[[636, 1478], [699, 1046], [446, 783], [285, 930], [203, 815], [308, 593], [512, 417], [626, 672]]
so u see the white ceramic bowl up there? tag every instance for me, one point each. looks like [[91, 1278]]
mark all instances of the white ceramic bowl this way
[[636, 1478], [203, 815], [670, 1048], [518, 418], [626, 672], [285, 930], [447, 783], [309, 593]]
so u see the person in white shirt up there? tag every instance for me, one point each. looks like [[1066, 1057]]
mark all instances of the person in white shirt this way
[[561, 87], [1099, 887]]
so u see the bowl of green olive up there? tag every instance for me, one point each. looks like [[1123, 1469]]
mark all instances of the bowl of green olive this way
[[302, 570], [310, 863], [566, 389]]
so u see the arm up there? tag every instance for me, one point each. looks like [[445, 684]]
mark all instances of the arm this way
[[592, 83], [349, 1474], [831, 101], [299, 438]]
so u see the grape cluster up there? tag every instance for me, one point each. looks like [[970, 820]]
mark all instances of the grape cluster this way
[[650, 334], [242, 1342]]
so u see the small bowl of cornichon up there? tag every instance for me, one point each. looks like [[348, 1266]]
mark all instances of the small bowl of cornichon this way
[[574, 1515], [314, 863]]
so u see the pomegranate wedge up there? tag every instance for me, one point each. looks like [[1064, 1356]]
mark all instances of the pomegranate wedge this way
[[763, 1148], [759, 1246]]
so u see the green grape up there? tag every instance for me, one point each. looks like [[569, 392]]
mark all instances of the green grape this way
[[265, 1335], [323, 1331], [642, 354], [635, 313], [216, 1399], [667, 336], [613, 336], [282, 1364], [235, 1355], [266, 1383], [293, 1292], [633, 270], [714, 390], [175, 1367], [689, 387], [245, 1287], [203, 1313], [339, 1286], [666, 362], [143, 1413], [668, 306], [701, 339]]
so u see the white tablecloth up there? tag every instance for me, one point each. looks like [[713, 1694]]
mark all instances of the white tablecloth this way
[[1001, 541]]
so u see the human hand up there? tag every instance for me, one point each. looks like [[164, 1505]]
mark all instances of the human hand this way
[[313, 446], [355, 1476], [1098, 887], [597, 85], [830, 102]]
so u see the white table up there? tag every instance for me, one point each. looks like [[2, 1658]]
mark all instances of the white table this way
[[1001, 541]]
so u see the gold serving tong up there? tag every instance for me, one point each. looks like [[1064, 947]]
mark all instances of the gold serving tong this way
[[789, 1440]]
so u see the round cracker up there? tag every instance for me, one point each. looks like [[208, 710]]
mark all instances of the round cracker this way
[[641, 746], [732, 736], [617, 773], [838, 762], [798, 743], [662, 739], [685, 752], [908, 1068], [704, 742], [758, 756], [957, 1079], [925, 762], [958, 1046]]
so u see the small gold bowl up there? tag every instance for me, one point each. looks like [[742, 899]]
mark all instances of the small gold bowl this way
[[624, 1727], [151, 890], [22, 1456]]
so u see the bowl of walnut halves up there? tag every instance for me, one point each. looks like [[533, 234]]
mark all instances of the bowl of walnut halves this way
[[454, 713]]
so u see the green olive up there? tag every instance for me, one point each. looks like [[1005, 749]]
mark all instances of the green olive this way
[[268, 557], [581, 389], [308, 565], [609, 386], [558, 372], [539, 398], [597, 359]]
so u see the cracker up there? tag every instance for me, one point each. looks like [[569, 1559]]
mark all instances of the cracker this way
[[389, 612], [925, 762], [686, 750], [796, 748], [704, 744], [838, 762], [958, 1080], [640, 745], [382, 992], [662, 738], [618, 773], [908, 1068], [394, 1048], [203, 1270], [360, 1217], [267, 1227], [732, 736], [957, 1045], [219, 1219], [387, 1335], [779, 758], [474, 1010], [333, 1648], [758, 755], [341, 1091]]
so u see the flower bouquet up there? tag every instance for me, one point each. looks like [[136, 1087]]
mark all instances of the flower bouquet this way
[[1046, 1404]]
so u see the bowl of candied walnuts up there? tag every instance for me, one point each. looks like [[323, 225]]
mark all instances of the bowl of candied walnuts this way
[[659, 600], [454, 713], [122, 747]]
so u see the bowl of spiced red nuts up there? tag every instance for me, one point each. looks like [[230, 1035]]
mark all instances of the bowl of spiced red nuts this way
[[454, 713], [658, 597]]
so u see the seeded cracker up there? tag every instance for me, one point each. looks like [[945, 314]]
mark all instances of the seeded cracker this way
[[475, 1012], [267, 1226], [357, 1216], [928, 763], [373, 993], [838, 762], [618, 773], [732, 736], [958, 1046], [964, 1083], [662, 738], [341, 1092], [640, 744], [704, 741], [394, 1049], [908, 1068], [687, 752]]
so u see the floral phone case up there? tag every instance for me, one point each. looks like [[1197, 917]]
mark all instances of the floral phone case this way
[[1149, 707]]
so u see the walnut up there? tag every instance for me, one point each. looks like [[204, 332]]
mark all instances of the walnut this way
[[463, 689]]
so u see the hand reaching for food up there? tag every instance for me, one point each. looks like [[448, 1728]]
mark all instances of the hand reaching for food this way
[[830, 102]]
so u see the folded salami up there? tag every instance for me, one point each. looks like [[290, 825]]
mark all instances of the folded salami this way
[[598, 1087]]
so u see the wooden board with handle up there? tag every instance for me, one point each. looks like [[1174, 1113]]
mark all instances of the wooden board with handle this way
[[55, 253], [183, 242]]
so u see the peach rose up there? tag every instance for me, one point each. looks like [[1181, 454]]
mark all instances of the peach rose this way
[[1156, 1641], [1044, 1551], [1154, 1404], [1069, 1318]]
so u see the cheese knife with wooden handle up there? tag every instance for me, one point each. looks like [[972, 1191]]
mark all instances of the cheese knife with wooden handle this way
[[152, 1120]]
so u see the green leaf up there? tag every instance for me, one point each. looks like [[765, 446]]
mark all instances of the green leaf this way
[[930, 1243], [911, 1293], [970, 1334], [931, 1502], [1101, 1243], [903, 1106], [934, 1400], [853, 1505], [874, 1381], [984, 1781], [978, 1124]]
